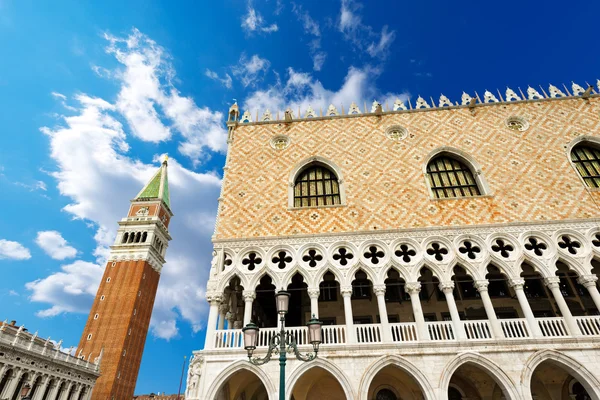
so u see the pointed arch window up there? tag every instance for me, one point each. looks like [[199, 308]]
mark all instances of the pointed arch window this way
[[316, 186], [587, 162], [448, 177]]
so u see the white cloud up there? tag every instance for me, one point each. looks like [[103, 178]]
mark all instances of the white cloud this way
[[13, 250], [95, 171], [362, 36], [254, 22], [250, 71], [55, 245], [225, 81], [147, 97], [311, 27], [70, 290], [381, 49], [302, 90]]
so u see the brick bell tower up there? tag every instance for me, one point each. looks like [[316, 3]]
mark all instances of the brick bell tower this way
[[118, 322]]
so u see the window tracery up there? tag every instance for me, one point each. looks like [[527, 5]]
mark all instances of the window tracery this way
[[450, 178], [316, 186]]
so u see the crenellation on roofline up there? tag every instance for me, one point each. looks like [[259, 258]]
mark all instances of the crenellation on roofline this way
[[420, 105]]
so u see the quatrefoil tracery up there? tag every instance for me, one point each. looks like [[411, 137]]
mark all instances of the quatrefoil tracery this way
[[596, 242], [503, 248], [343, 255], [282, 259], [374, 254], [537, 246], [252, 260], [405, 253], [437, 251], [312, 258], [568, 244], [469, 249], [227, 261]]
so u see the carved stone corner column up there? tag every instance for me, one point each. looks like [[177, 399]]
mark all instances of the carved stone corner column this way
[[214, 299]]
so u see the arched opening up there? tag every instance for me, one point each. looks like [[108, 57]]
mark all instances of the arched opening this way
[[505, 302], [576, 296], [585, 156], [472, 382], [243, 384], [49, 387], [138, 236], [233, 299], [551, 381], [451, 177], [467, 297], [432, 299], [364, 307], [299, 306], [539, 298], [144, 237], [264, 311], [330, 301], [35, 386], [131, 237], [125, 237], [316, 185], [316, 384], [394, 383], [397, 301], [61, 388], [17, 393], [5, 379], [72, 392]]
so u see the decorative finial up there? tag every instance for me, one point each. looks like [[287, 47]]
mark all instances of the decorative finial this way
[[166, 159]]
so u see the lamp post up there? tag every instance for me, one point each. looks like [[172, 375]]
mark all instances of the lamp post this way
[[25, 392], [283, 341]]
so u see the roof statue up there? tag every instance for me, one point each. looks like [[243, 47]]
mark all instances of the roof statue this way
[[246, 117], [577, 90], [331, 110], [158, 186], [310, 113], [444, 101], [511, 95], [533, 94], [421, 103], [375, 105], [465, 99], [488, 97], [267, 116], [353, 109], [598, 84], [399, 105], [555, 92]]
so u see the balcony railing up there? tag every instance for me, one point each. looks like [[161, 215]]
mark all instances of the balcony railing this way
[[442, 331]]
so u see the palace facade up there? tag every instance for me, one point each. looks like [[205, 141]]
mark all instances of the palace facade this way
[[451, 250]]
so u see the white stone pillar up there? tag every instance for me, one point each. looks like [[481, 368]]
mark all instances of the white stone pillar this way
[[223, 308], [517, 285], [447, 288], [413, 289], [553, 283], [78, 392], [386, 332], [88, 393], [214, 299], [346, 292], [249, 296], [12, 384], [589, 282], [314, 293], [39, 393], [64, 395], [54, 390], [482, 288]]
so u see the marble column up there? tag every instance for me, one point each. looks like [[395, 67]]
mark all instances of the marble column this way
[[346, 292], [482, 288], [12, 383], [517, 285], [386, 333], [413, 289], [249, 296], [447, 288], [553, 283], [223, 308], [214, 300], [314, 293], [39, 393], [589, 282]]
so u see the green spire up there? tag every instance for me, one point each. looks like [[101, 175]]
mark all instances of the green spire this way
[[158, 187]]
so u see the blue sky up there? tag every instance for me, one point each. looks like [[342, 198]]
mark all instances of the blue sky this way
[[93, 93]]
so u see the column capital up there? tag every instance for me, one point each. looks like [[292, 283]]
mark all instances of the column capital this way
[[412, 287], [249, 295], [481, 285], [517, 283], [379, 290], [552, 282], [314, 292], [346, 291], [446, 287], [587, 280], [213, 297], [223, 308]]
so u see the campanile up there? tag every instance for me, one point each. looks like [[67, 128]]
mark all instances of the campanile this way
[[119, 318]]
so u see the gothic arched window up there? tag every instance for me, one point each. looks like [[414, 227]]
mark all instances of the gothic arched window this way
[[386, 394], [587, 162], [316, 186], [449, 177]]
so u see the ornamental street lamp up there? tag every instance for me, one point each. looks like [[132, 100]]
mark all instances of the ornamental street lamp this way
[[25, 392], [283, 341]]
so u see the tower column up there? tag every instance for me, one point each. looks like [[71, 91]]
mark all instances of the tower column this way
[[589, 282], [214, 300], [448, 288], [249, 296], [386, 333], [517, 285], [553, 283], [314, 293], [346, 295], [413, 289], [482, 288]]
